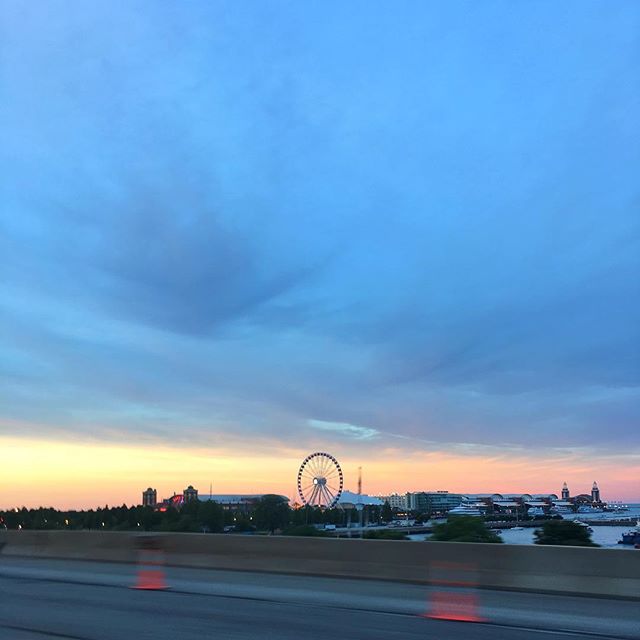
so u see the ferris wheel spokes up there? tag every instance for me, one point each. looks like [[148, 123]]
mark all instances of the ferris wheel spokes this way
[[320, 480]]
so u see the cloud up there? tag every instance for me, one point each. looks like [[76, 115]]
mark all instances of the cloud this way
[[346, 430], [246, 227]]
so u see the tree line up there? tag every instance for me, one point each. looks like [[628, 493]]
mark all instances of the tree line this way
[[270, 513]]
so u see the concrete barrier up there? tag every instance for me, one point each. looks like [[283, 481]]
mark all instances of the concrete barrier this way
[[72, 545], [588, 571]]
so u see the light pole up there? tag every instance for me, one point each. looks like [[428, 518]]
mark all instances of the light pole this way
[[360, 507]]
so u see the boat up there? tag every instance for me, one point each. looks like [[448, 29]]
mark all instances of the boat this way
[[588, 509], [632, 536], [561, 509], [616, 506], [517, 528], [535, 511], [465, 510]]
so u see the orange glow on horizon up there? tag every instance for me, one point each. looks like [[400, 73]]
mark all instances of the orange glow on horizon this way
[[85, 475]]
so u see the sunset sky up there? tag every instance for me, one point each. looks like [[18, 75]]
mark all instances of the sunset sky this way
[[234, 233]]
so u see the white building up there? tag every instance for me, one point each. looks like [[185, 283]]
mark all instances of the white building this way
[[395, 500], [349, 500]]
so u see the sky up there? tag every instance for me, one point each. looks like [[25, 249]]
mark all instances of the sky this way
[[231, 234]]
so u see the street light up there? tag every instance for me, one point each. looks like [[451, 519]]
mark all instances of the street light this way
[[359, 508]]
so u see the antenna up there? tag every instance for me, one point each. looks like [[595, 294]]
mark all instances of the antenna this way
[[210, 490], [359, 481]]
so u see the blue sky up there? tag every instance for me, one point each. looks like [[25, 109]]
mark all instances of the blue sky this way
[[406, 225]]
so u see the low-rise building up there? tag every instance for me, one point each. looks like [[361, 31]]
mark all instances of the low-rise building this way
[[350, 500], [432, 501], [243, 502], [395, 500]]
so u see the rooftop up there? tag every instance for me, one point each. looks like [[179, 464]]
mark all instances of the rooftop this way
[[348, 497]]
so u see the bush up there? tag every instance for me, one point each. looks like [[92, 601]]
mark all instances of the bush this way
[[385, 534], [564, 533], [305, 530], [464, 529]]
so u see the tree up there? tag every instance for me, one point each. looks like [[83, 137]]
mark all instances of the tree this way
[[564, 533], [272, 512], [185, 523], [190, 508], [387, 514], [211, 516], [464, 529], [148, 517], [243, 524]]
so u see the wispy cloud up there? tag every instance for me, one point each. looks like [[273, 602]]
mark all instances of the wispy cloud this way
[[345, 429]]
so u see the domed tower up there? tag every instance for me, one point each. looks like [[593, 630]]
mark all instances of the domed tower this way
[[565, 491], [595, 492], [190, 494], [149, 497]]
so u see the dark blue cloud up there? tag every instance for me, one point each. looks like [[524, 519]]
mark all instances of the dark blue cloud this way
[[294, 224]]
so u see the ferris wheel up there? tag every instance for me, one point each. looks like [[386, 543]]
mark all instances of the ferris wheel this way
[[320, 481]]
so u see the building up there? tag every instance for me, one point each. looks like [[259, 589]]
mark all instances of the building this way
[[432, 501], [244, 503], [489, 501], [521, 498], [190, 494], [395, 500], [565, 492], [149, 497], [176, 501], [506, 505], [349, 500], [484, 497], [241, 502], [549, 498], [585, 499]]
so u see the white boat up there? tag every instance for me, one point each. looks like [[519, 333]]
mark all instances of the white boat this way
[[465, 510], [632, 537], [616, 506], [588, 509], [535, 511], [561, 509], [584, 524]]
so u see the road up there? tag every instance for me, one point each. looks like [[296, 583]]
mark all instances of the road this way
[[42, 599]]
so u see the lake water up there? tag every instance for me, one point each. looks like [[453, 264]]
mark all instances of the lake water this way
[[605, 536]]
